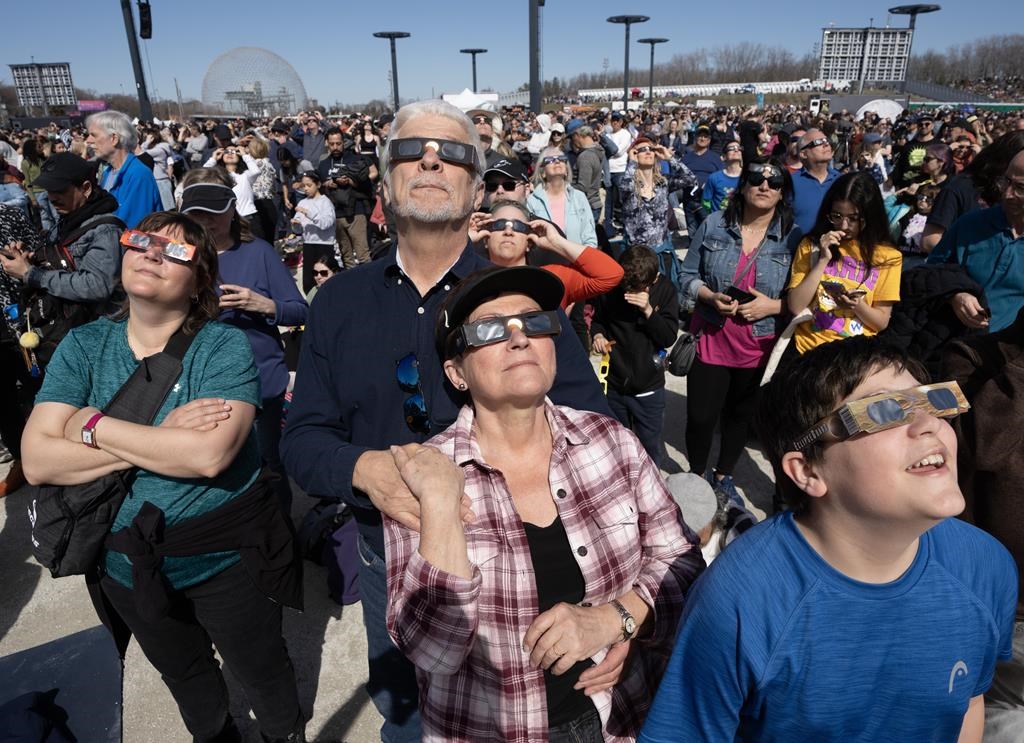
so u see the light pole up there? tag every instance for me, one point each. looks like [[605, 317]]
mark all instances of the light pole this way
[[391, 36], [535, 6], [145, 109], [474, 52], [650, 81], [627, 21], [913, 11]]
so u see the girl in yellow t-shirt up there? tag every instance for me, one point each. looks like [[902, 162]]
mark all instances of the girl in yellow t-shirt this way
[[846, 271]]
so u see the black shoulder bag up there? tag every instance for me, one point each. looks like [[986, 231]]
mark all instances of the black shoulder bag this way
[[70, 522]]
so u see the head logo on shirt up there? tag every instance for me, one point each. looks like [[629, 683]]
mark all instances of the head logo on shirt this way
[[959, 669]]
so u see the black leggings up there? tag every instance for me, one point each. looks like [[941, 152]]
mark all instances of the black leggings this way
[[719, 394]]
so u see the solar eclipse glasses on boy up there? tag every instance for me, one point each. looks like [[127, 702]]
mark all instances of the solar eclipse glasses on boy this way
[[497, 329], [886, 410], [175, 250], [412, 148]]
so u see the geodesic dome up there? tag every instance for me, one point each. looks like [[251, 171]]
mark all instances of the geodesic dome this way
[[253, 81]]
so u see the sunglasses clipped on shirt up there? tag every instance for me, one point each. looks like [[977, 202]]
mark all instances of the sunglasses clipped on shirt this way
[[175, 250], [758, 173], [414, 408], [413, 148], [497, 329], [884, 411]]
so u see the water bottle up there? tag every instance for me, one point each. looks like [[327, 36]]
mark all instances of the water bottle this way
[[660, 359]]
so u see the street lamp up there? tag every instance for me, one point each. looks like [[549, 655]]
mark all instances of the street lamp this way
[[391, 36], [474, 52], [145, 109], [627, 21], [650, 82], [913, 11]]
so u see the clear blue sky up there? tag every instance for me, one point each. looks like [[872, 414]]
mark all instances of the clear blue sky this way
[[331, 45]]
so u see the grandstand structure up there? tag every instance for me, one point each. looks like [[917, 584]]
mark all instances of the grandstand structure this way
[[711, 89]]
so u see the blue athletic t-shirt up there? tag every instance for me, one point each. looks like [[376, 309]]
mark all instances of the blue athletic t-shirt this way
[[776, 645], [92, 363]]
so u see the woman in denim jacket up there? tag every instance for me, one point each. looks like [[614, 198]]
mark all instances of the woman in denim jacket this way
[[733, 276], [555, 200]]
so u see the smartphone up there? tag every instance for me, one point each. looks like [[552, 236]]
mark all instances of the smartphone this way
[[834, 288], [857, 293], [739, 295]]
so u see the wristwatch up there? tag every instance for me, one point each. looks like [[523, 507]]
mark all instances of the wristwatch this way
[[89, 431], [628, 623]]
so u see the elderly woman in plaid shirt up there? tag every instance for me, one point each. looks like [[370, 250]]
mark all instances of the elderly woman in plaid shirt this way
[[548, 546]]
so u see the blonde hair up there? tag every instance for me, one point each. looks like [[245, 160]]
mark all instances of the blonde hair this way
[[538, 169]]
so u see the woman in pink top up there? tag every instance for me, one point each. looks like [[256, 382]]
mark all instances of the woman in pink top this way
[[734, 275]]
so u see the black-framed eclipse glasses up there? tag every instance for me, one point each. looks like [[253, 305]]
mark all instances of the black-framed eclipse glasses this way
[[818, 142], [497, 329], [413, 148], [758, 173], [498, 225]]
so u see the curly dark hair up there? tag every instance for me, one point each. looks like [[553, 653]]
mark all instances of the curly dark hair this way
[[991, 163]]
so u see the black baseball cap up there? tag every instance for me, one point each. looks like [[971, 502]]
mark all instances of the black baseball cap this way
[[511, 168], [702, 131], [279, 128], [207, 197], [63, 170], [541, 286]]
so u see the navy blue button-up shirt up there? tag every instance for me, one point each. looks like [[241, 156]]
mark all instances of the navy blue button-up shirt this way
[[347, 400]]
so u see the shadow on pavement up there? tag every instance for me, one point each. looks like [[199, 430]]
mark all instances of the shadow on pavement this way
[[19, 573]]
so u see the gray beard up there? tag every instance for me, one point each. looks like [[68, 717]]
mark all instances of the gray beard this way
[[450, 211]]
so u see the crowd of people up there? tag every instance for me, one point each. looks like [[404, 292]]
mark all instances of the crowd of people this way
[[405, 314]]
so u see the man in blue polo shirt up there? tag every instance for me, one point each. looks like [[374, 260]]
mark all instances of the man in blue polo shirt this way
[[113, 138], [703, 161], [989, 244], [369, 375], [813, 180]]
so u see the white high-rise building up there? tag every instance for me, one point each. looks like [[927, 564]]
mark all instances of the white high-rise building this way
[[44, 84], [869, 54]]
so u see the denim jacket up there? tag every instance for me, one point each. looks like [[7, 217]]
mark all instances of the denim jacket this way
[[711, 261]]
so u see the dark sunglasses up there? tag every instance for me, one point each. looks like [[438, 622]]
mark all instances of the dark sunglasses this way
[[497, 329], [499, 225], [554, 159], [492, 186], [481, 120], [758, 173], [642, 149], [815, 143], [414, 408], [323, 273], [413, 148]]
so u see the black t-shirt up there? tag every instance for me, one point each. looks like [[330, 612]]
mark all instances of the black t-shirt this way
[[957, 198], [559, 579], [750, 132]]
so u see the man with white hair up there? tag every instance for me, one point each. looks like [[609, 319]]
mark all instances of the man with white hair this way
[[370, 377], [113, 139]]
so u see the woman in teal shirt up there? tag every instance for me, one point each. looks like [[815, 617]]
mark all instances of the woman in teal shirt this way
[[199, 455]]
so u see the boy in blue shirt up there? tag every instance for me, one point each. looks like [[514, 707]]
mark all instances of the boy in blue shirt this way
[[866, 612]]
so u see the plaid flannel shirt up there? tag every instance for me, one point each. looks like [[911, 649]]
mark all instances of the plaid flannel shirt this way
[[465, 636]]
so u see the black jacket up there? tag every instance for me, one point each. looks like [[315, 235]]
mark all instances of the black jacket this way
[[348, 200], [637, 339], [923, 321]]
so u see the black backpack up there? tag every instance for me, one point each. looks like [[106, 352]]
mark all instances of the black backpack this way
[[70, 522], [52, 317]]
